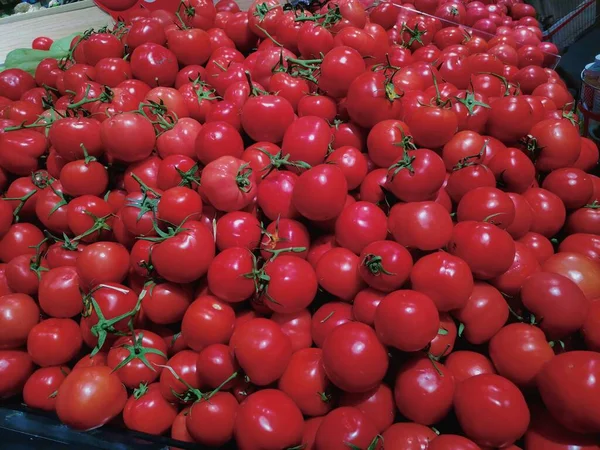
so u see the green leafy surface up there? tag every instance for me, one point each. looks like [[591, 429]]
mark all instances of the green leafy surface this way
[[28, 59]]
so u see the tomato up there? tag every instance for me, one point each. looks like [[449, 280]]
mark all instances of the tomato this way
[[372, 98], [340, 67], [19, 315], [571, 403], [488, 205], [521, 224], [442, 124], [353, 358], [179, 204], [588, 156], [136, 358], [20, 239], [506, 413], [102, 262], [586, 244], [90, 397], [510, 119], [15, 82], [416, 176], [546, 433], [421, 225], [262, 350], [584, 220], [15, 369], [228, 183], [578, 268], [327, 318], [148, 412], [555, 144], [207, 321], [542, 295], [53, 342], [519, 351], [444, 278], [385, 265], [353, 163], [21, 149], [284, 234], [484, 314], [359, 225], [338, 273], [128, 137], [154, 64], [260, 110], [192, 246], [311, 200], [513, 170], [465, 364], [409, 436], [303, 378], [555, 92], [488, 250], [226, 278], [429, 382], [41, 387], [417, 314], [346, 426], [183, 364], [268, 419], [452, 442]]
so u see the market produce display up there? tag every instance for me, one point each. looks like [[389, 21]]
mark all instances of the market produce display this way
[[320, 226]]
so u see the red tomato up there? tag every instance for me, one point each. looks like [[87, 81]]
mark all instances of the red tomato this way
[[571, 404], [420, 225], [465, 364], [519, 351], [262, 350], [491, 410], [353, 358], [315, 203], [19, 314], [484, 314], [268, 419], [346, 426], [579, 269], [54, 342], [41, 387], [408, 435], [90, 397], [407, 320]]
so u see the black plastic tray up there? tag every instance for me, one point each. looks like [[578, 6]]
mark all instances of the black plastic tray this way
[[22, 428]]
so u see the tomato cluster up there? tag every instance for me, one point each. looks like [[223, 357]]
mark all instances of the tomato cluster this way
[[321, 227]]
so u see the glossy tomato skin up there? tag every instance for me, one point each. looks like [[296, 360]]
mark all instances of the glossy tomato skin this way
[[417, 314], [211, 421], [135, 371], [385, 265], [421, 225], [571, 403], [579, 268], [445, 278], [15, 368], [424, 392], [305, 376], [148, 412], [39, 390], [519, 351], [348, 364], [338, 273], [90, 397], [506, 413], [409, 436], [207, 321], [543, 294], [312, 200], [345, 425], [262, 350], [226, 275], [484, 314], [18, 315], [102, 262], [452, 442], [465, 364], [488, 250], [193, 249], [360, 224], [183, 364], [54, 342], [268, 419], [292, 285], [327, 318]]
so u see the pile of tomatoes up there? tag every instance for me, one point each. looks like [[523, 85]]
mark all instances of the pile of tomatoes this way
[[321, 227]]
